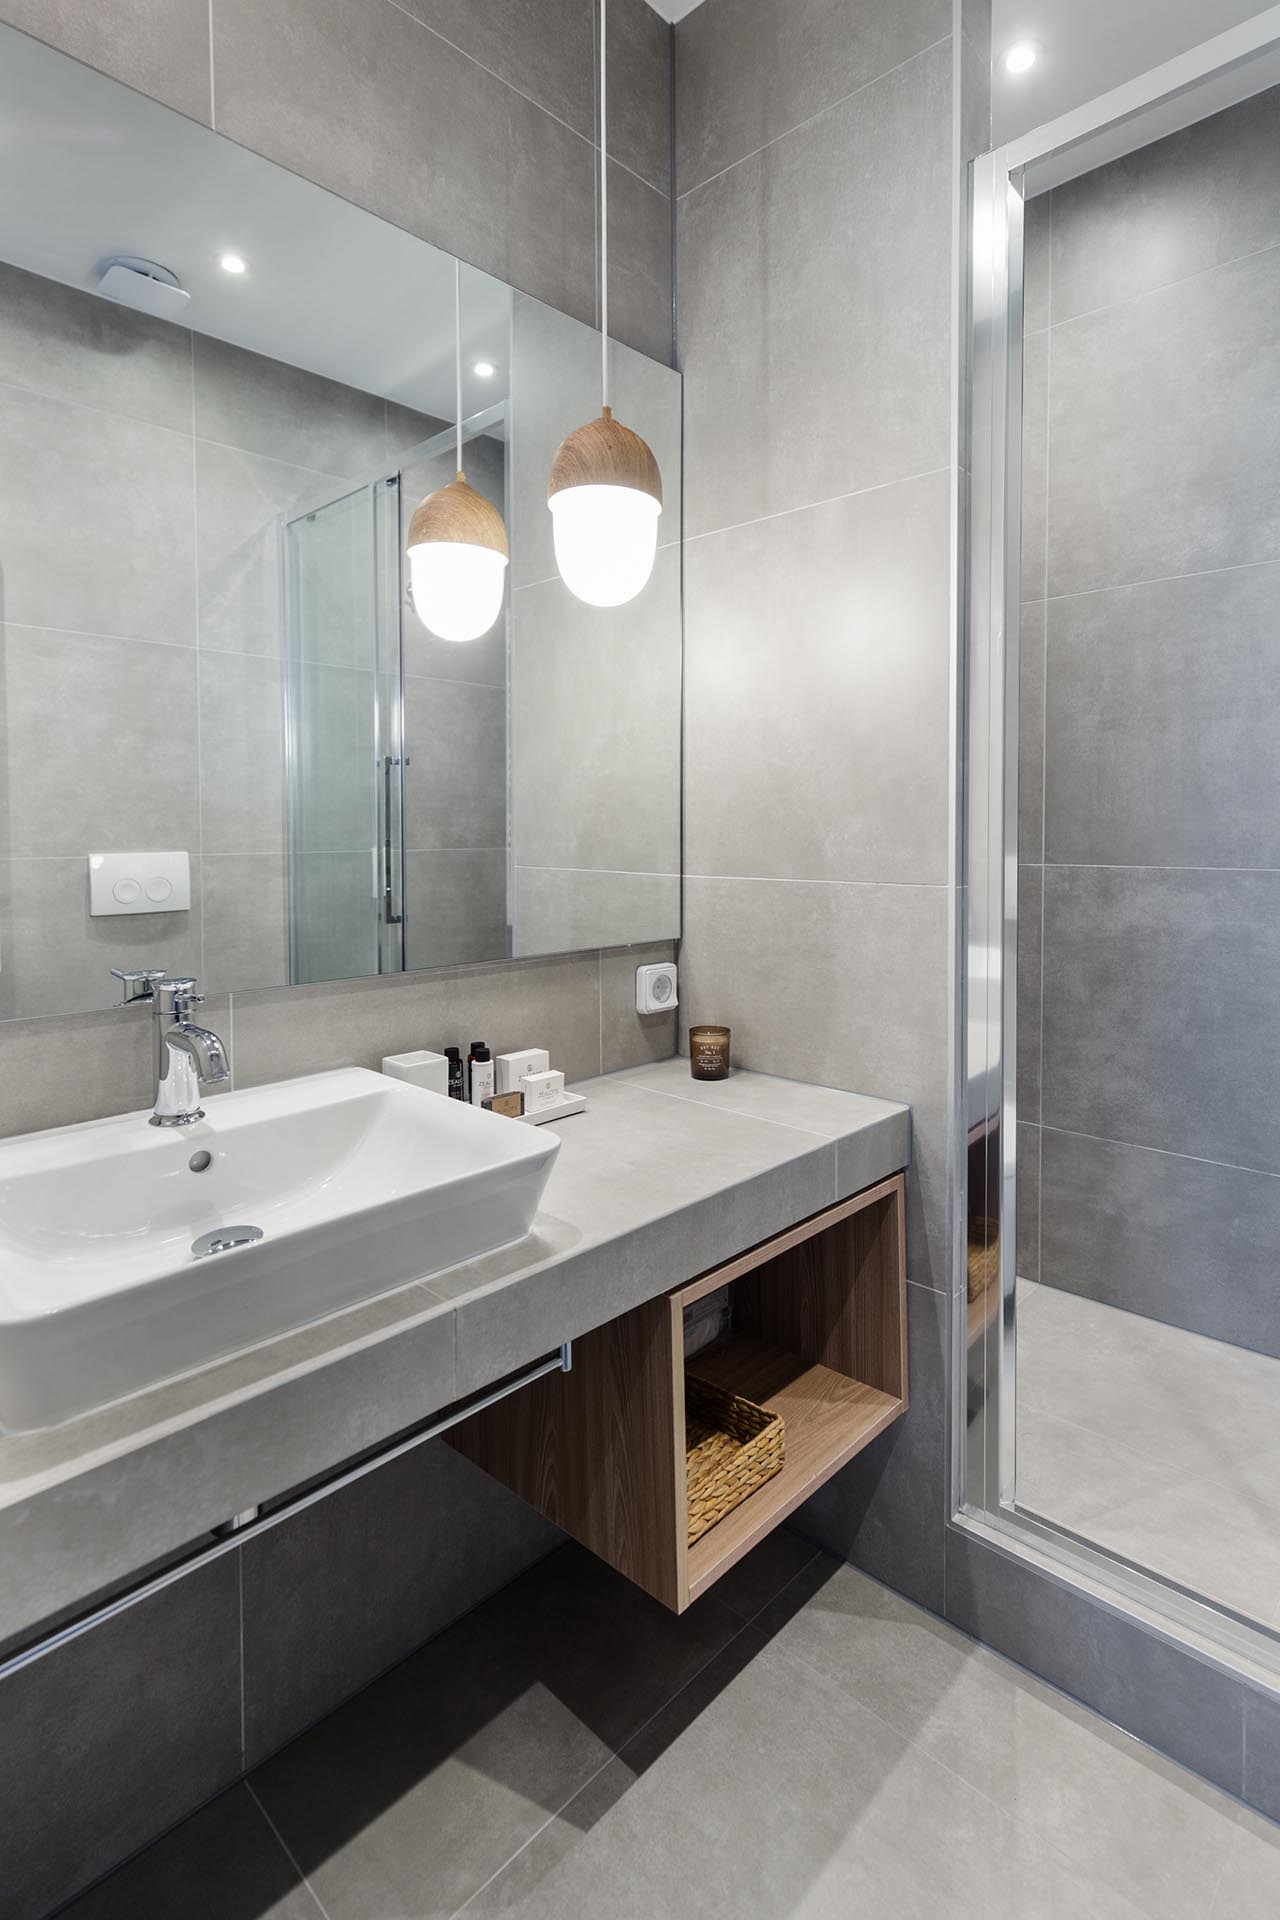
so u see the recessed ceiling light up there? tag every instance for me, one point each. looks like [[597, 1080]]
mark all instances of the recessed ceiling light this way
[[1020, 57], [485, 369], [232, 263]]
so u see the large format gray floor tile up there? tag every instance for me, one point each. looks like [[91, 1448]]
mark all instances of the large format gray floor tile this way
[[222, 1864], [407, 1800], [1160, 1023], [1160, 702], [1168, 462], [1182, 1241], [748, 73], [837, 233], [848, 761], [1175, 207]]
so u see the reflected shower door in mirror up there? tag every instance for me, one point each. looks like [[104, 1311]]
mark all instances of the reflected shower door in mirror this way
[[209, 645], [1139, 1413]]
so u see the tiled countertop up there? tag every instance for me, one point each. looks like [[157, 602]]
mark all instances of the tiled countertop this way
[[661, 1178]]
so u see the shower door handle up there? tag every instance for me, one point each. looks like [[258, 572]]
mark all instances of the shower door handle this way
[[390, 917]]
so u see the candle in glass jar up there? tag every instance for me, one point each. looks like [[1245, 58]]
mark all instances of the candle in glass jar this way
[[709, 1053]]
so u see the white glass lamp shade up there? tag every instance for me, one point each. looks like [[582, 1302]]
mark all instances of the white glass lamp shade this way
[[606, 539], [605, 495], [457, 548]]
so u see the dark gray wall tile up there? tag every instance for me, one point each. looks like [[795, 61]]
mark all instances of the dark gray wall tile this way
[[1160, 1023], [457, 907], [885, 1511], [1178, 1704], [639, 264], [1031, 663], [362, 99], [1028, 1202], [159, 46], [640, 91], [1126, 502], [455, 790], [1160, 727], [775, 285], [1182, 1241], [1037, 232], [817, 656], [750, 70], [430, 1536], [1201, 197], [1030, 924], [1037, 349], [224, 1864], [109, 1741]]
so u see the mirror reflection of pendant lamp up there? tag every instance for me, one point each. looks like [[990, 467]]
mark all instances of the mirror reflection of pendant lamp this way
[[605, 489], [457, 542]]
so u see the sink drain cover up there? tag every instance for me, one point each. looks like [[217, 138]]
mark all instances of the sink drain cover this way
[[222, 1239]]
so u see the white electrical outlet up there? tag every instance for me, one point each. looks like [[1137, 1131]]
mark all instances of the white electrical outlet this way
[[656, 988]]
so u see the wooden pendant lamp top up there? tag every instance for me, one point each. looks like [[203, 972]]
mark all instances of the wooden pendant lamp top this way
[[605, 454], [458, 514]]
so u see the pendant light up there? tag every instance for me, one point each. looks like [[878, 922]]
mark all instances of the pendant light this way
[[457, 543], [605, 490]]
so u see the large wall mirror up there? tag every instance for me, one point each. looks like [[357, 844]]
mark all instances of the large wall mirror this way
[[230, 745]]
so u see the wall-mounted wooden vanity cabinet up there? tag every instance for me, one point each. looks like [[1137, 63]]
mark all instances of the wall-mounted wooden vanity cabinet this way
[[819, 1335]]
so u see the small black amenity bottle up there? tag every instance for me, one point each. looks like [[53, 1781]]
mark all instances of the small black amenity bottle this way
[[457, 1074]]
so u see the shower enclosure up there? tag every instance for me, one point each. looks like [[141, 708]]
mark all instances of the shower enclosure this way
[[364, 897], [1117, 1334]]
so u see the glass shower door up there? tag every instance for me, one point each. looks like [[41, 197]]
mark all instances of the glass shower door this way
[[344, 735]]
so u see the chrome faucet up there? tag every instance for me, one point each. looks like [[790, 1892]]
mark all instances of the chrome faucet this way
[[188, 1056]]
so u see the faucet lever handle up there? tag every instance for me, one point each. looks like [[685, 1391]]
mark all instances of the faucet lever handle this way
[[137, 983], [182, 995]]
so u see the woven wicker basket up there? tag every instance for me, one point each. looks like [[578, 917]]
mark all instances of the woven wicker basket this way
[[732, 1446]]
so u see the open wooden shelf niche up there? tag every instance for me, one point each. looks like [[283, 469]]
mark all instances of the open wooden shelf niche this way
[[820, 1336]]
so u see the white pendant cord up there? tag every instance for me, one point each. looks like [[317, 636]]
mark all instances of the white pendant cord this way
[[457, 356], [604, 220]]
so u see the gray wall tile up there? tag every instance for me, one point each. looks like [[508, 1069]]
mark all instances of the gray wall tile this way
[[1179, 1240], [1031, 668], [1160, 1024], [100, 743], [242, 754], [430, 1534], [126, 487], [639, 263], [547, 1003], [1125, 502], [1037, 235], [750, 70], [640, 91], [1161, 725], [338, 930], [1201, 197], [779, 411], [79, 1067], [561, 910], [886, 1510], [516, 196], [239, 498], [245, 903], [455, 790], [159, 46], [1183, 1707], [76, 346], [457, 907], [817, 660], [265, 406], [112, 1739], [1036, 352], [58, 957], [842, 985], [628, 1038]]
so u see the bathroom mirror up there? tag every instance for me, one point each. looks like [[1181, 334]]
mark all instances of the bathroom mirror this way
[[231, 747]]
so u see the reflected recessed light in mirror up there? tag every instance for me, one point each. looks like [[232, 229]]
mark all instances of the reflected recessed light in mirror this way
[[232, 263], [1020, 57], [485, 369]]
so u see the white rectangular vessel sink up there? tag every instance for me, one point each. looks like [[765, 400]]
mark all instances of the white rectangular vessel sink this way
[[353, 1184]]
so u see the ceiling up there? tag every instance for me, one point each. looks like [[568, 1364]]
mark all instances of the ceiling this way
[[89, 169], [1090, 46]]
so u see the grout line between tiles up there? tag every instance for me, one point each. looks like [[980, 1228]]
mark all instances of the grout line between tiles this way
[[737, 1113], [811, 506], [790, 880], [1161, 580], [1165, 1153], [286, 1850], [1164, 286], [812, 119]]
